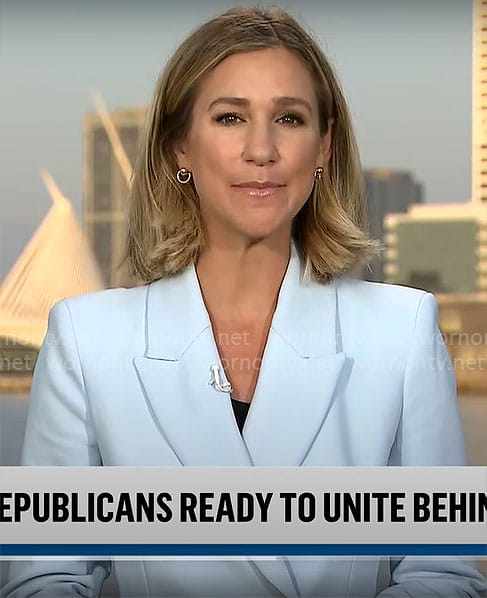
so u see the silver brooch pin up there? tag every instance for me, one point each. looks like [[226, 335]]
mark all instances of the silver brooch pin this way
[[216, 380]]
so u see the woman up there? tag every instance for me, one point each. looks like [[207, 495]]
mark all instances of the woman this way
[[246, 217]]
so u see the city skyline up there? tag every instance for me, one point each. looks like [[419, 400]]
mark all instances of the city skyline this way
[[427, 131]]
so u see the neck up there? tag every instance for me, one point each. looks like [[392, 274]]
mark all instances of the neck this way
[[242, 281]]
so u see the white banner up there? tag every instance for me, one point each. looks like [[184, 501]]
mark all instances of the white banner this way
[[243, 506]]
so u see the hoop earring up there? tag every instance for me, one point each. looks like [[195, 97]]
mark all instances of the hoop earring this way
[[183, 176], [319, 173]]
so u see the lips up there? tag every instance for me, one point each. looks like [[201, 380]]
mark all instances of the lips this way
[[260, 190], [259, 185]]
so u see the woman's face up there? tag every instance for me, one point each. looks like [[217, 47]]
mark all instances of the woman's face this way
[[254, 144]]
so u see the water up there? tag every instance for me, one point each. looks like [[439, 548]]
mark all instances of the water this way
[[13, 410]]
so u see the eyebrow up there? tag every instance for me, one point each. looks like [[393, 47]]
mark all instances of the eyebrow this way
[[279, 101]]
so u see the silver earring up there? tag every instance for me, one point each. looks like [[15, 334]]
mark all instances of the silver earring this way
[[319, 173], [183, 176]]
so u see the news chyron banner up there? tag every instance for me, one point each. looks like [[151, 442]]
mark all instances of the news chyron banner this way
[[242, 511]]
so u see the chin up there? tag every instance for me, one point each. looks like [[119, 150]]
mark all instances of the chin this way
[[263, 232]]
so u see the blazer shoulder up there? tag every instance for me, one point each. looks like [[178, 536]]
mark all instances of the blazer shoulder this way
[[381, 304], [115, 306], [381, 293]]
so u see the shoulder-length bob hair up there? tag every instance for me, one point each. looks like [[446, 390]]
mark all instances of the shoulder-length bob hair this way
[[165, 227]]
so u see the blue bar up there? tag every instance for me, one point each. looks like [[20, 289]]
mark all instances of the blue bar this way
[[148, 550]]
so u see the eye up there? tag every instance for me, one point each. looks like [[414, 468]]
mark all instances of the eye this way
[[291, 119], [228, 118]]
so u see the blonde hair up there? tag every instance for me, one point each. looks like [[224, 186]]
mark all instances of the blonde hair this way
[[165, 228]]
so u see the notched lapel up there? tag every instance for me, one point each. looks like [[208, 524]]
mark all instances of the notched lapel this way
[[196, 420], [300, 371], [292, 400]]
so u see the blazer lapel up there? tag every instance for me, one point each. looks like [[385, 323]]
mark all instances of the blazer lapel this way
[[196, 420], [299, 374]]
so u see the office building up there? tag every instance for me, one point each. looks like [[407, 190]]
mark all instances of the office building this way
[[105, 188], [479, 104], [437, 248], [387, 191]]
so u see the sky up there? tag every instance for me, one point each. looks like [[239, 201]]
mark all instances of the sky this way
[[405, 66]]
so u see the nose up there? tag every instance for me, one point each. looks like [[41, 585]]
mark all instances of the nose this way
[[260, 146]]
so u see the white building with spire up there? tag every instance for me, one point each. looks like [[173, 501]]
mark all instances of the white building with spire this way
[[56, 263]]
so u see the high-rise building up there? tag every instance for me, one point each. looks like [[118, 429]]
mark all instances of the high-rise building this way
[[443, 247], [479, 103], [388, 191], [106, 189]]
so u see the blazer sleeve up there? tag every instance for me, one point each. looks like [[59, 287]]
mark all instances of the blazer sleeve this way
[[430, 433], [58, 431]]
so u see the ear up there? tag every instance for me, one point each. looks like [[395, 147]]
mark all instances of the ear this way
[[326, 144], [180, 151]]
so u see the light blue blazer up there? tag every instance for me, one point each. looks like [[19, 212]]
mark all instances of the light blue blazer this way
[[354, 373]]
